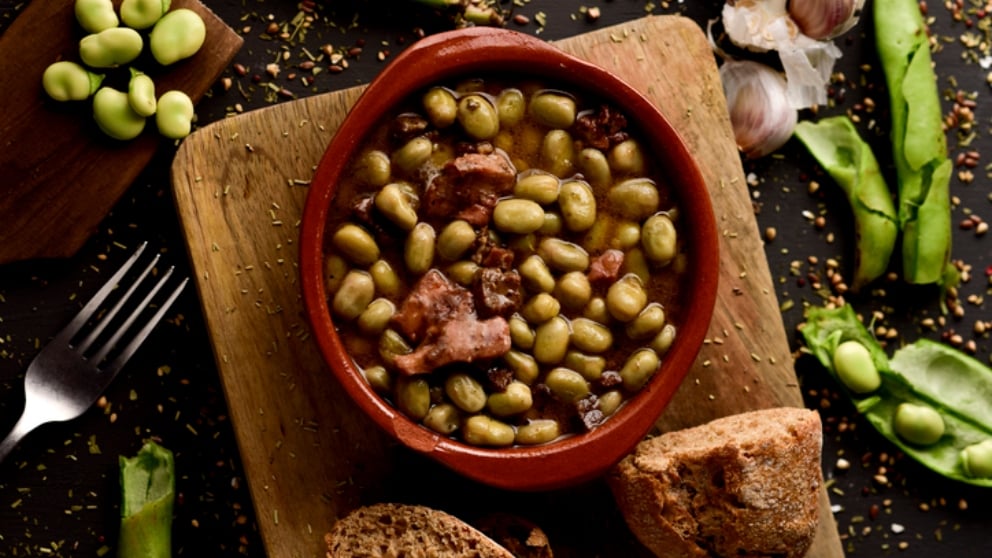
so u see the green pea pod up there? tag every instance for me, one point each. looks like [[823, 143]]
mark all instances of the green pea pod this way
[[840, 150], [147, 495], [925, 373], [919, 146]]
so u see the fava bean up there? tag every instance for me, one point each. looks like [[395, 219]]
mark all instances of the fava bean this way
[[413, 154], [142, 14], [141, 93], [578, 205], [355, 244], [663, 341], [114, 115], [590, 366], [174, 114], [976, 460], [387, 281], [552, 224], [177, 35], [626, 298], [523, 243], [335, 268], [540, 308], [567, 385], [626, 157], [518, 216], [595, 168], [482, 430], [521, 335], [558, 153], [413, 396], [374, 319], [111, 47], [591, 336], [374, 168], [596, 310], [68, 81], [510, 105], [465, 392], [392, 201], [455, 239], [463, 272], [918, 424], [443, 418], [573, 290], [441, 107], [355, 293], [626, 235], [635, 263], [638, 369], [634, 199], [537, 186], [855, 367], [551, 340], [659, 239], [538, 431], [478, 117], [418, 252], [379, 378], [524, 367], [648, 323], [392, 345], [563, 255], [515, 399], [95, 15], [552, 109], [610, 401], [535, 274]]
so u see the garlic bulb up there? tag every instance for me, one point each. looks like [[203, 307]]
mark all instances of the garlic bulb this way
[[825, 19], [765, 25], [760, 112]]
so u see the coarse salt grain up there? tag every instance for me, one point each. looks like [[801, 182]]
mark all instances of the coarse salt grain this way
[[897, 528]]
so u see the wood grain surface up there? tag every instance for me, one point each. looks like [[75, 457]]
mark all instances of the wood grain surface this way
[[60, 174], [310, 457]]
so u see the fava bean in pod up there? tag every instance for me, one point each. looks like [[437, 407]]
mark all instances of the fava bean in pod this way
[[114, 115], [179, 34], [68, 81]]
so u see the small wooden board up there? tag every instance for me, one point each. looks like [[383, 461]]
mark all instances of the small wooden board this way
[[310, 457], [59, 175]]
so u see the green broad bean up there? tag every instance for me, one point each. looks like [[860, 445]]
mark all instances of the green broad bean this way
[[595, 167], [478, 117], [626, 235], [578, 205], [638, 369], [524, 367], [440, 106], [379, 378], [391, 345], [355, 244], [635, 199], [551, 340], [567, 385], [174, 114], [414, 153], [540, 308], [418, 252], [374, 168], [659, 239], [177, 35], [537, 186], [413, 396], [111, 47], [482, 430], [663, 341], [335, 268], [465, 392], [573, 290], [114, 115], [647, 324], [374, 319], [976, 459], [518, 216], [918, 424], [562, 255], [610, 401], [354, 295], [596, 310], [558, 153], [463, 272], [523, 243], [855, 367], [591, 336], [142, 14], [393, 202], [95, 15], [141, 93], [510, 105], [552, 109], [521, 334], [626, 298], [515, 399], [599, 237], [535, 274], [443, 418], [627, 158], [590, 366], [538, 431], [455, 239], [552, 224], [634, 262], [68, 81], [387, 281]]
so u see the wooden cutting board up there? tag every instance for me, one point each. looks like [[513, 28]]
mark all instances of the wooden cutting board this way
[[309, 456], [59, 175]]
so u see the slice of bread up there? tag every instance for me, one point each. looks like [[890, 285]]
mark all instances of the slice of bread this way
[[391, 530], [746, 485], [522, 537]]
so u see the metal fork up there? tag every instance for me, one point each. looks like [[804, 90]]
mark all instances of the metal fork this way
[[67, 377]]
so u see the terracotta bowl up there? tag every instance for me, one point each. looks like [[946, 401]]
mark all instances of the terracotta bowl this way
[[474, 52]]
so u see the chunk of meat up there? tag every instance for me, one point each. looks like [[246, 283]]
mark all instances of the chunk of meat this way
[[432, 300], [467, 180], [497, 292], [601, 129], [604, 269], [465, 339]]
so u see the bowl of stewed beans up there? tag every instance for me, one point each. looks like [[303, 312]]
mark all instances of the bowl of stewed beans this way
[[508, 258]]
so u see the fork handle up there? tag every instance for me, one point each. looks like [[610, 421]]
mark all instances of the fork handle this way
[[25, 424]]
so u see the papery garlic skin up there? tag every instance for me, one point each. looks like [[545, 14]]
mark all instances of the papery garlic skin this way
[[825, 19], [765, 25], [760, 113]]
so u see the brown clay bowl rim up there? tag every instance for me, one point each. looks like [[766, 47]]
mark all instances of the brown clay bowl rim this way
[[472, 52]]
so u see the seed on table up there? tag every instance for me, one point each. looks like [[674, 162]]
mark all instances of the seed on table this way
[[770, 234], [981, 228]]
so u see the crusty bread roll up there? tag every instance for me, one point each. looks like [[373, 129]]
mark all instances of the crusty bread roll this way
[[392, 530], [746, 485]]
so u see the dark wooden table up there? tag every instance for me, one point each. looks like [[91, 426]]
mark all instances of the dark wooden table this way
[[58, 490]]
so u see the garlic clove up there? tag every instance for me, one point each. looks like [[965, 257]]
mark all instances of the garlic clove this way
[[825, 19], [761, 115]]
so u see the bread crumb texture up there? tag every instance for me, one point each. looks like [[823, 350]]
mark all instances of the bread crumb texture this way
[[746, 485], [390, 530]]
